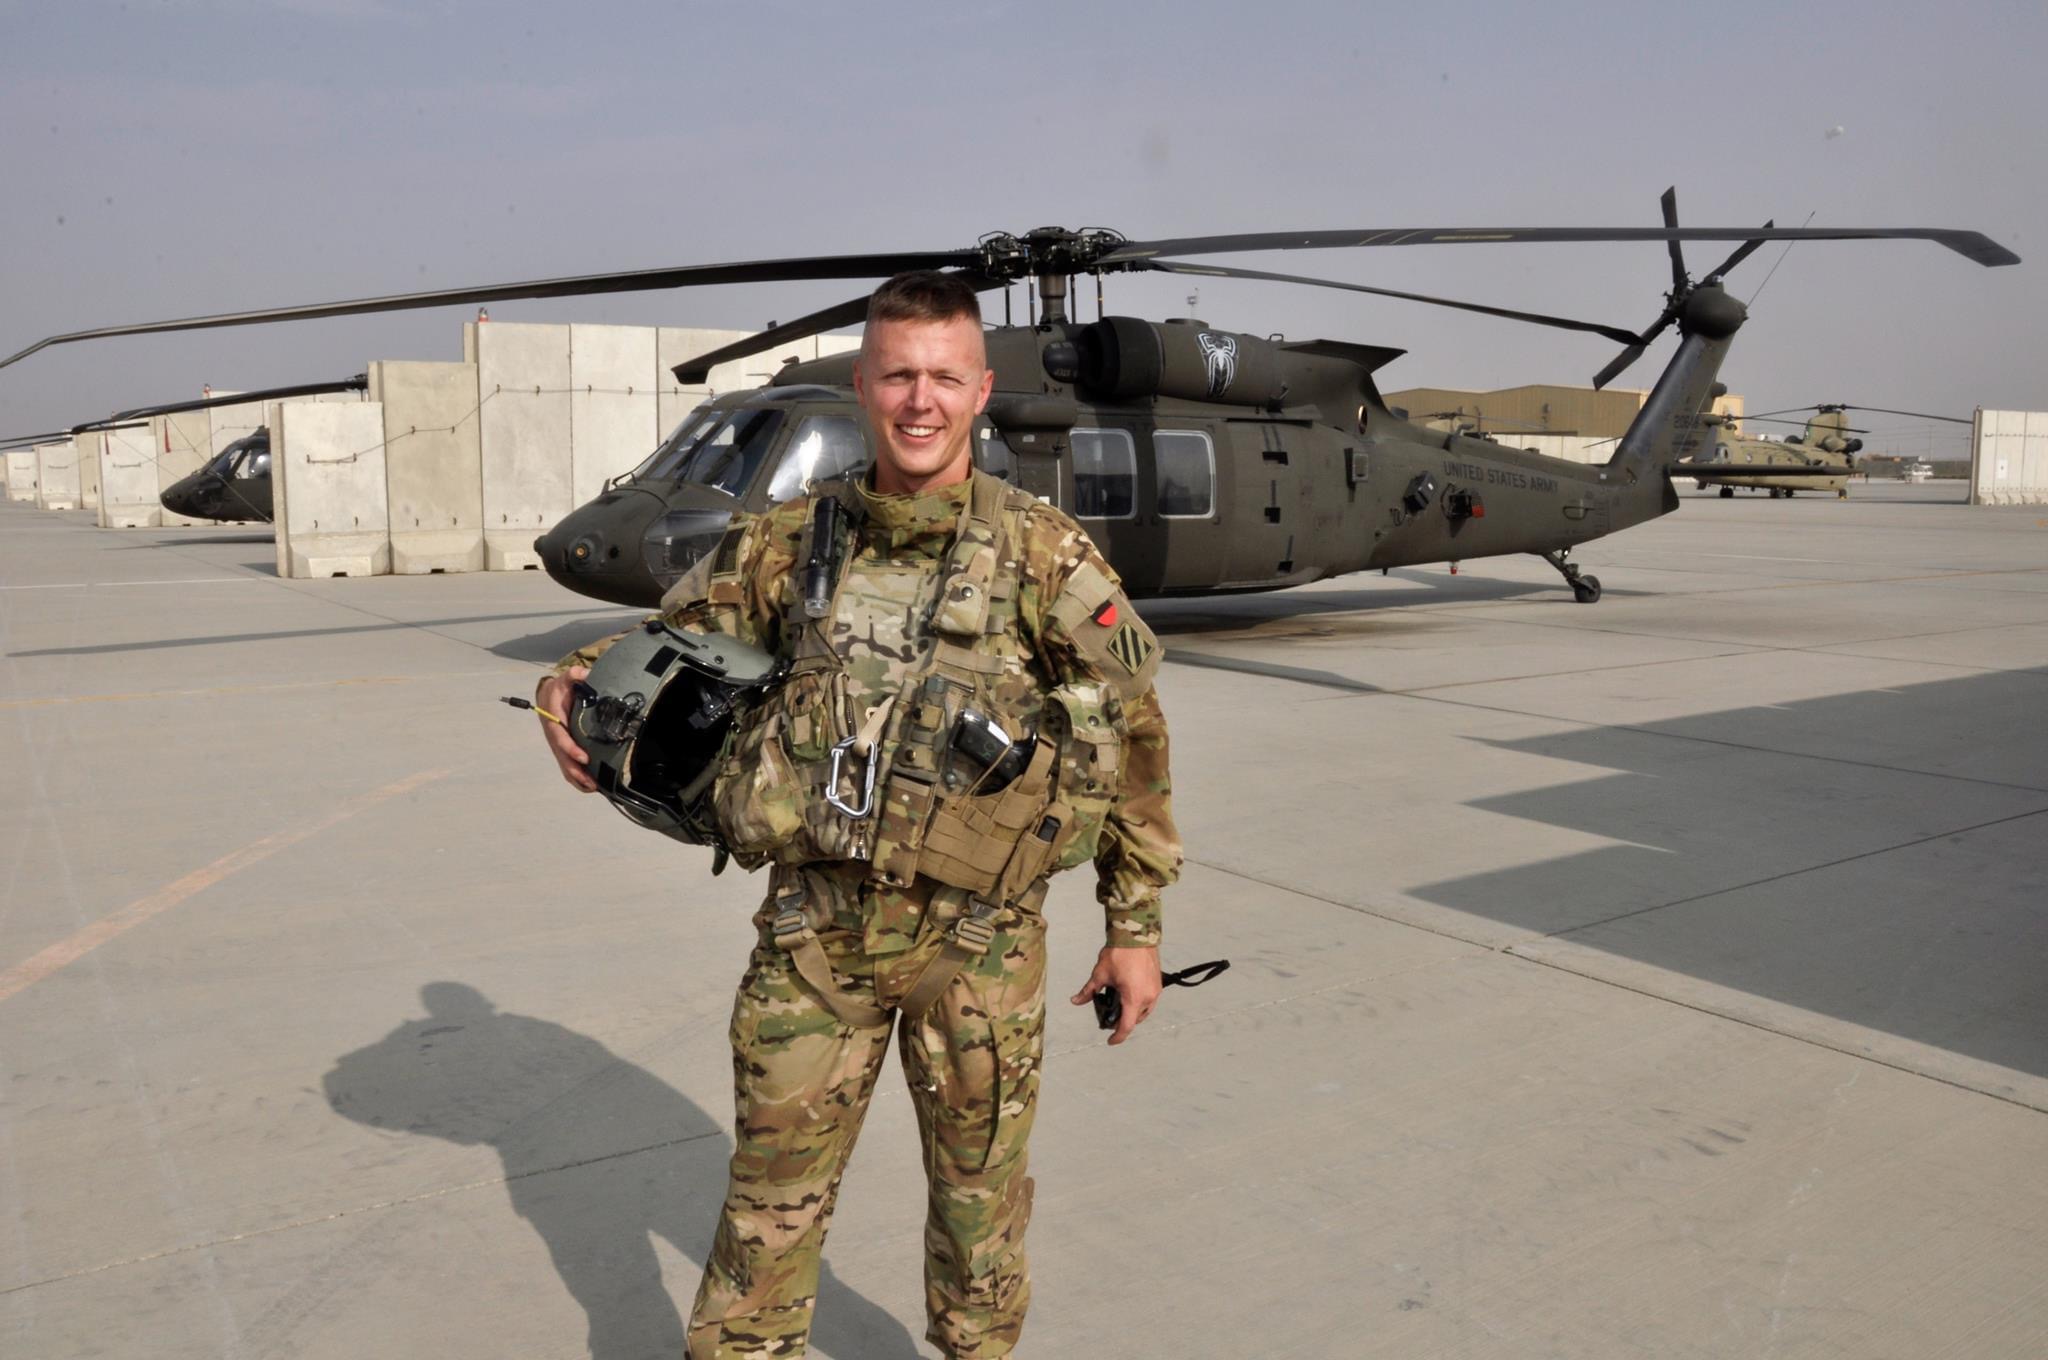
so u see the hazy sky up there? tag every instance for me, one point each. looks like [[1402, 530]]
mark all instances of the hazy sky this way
[[167, 159]]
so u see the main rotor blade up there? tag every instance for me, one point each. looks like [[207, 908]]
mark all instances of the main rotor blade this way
[[698, 368], [1615, 333], [1881, 410], [1971, 244], [1669, 202], [1773, 420], [360, 382], [581, 285], [1741, 253]]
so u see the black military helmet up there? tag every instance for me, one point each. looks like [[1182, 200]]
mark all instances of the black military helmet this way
[[654, 713]]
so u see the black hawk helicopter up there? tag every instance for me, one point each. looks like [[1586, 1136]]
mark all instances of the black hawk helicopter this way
[[1200, 460]]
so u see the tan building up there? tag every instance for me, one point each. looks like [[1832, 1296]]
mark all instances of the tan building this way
[[1535, 409]]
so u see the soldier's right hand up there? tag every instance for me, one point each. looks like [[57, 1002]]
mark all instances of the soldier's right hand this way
[[555, 694]]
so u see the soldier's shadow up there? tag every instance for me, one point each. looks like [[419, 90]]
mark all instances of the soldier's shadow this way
[[600, 1156]]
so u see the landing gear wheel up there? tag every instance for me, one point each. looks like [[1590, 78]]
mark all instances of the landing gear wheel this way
[[1585, 589], [1727, 493]]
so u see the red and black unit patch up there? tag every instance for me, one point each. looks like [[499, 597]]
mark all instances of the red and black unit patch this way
[[1106, 616]]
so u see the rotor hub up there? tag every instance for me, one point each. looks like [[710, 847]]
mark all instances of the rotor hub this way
[[1046, 251]]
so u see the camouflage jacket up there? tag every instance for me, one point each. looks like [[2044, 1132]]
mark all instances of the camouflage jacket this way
[[909, 536]]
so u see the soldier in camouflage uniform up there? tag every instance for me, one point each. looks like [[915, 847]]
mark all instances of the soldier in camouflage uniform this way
[[808, 1043]]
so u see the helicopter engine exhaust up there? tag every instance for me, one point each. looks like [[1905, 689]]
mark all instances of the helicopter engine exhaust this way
[[1124, 358]]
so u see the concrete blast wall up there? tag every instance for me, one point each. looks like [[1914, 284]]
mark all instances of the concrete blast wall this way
[[128, 491], [433, 465], [328, 474], [524, 415], [674, 344], [57, 475], [182, 443], [226, 424], [21, 475], [88, 469], [2009, 458], [613, 404]]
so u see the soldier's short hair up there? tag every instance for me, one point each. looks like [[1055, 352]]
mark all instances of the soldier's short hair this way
[[924, 295]]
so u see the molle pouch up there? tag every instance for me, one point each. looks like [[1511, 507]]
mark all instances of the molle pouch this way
[[758, 796], [975, 840], [923, 725], [962, 610], [815, 704], [1090, 764]]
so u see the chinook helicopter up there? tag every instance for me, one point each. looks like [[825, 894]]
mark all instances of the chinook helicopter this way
[[1819, 458], [1200, 460]]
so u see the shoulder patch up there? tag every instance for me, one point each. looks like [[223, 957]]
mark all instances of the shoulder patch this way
[[1130, 647]]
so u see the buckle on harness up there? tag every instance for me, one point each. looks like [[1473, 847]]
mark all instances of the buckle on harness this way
[[791, 926], [867, 795], [976, 931]]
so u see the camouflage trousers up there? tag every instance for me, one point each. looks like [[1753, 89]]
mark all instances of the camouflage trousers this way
[[802, 1080]]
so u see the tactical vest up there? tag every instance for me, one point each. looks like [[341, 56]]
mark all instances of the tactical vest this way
[[808, 778]]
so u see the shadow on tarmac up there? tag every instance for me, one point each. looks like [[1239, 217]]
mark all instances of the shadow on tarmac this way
[[600, 1156], [547, 648], [590, 627], [1807, 836], [1256, 611]]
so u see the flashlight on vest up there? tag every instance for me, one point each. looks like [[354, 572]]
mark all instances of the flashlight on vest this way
[[818, 571]]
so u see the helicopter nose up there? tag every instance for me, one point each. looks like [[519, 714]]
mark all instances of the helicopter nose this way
[[182, 498]]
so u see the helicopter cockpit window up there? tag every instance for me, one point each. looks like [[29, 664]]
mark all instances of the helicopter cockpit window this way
[[823, 447], [1105, 474], [1187, 473], [669, 456], [257, 464], [730, 455]]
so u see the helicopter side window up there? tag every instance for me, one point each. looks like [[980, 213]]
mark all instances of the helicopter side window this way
[[728, 457], [258, 464], [823, 447], [997, 458], [1186, 462], [1105, 474]]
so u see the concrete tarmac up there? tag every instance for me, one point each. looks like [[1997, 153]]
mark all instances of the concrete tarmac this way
[[1658, 977]]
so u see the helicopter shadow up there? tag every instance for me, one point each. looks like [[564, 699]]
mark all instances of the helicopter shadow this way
[[1225, 614], [547, 648], [601, 1157], [243, 540]]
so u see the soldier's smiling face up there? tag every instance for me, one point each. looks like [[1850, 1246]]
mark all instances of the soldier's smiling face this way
[[921, 384]]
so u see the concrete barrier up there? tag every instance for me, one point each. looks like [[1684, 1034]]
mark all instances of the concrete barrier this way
[[182, 443], [614, 410], [2009, 458], [226, 424], [674, 344], [327, 473], [522, 380], [57, 475], [433, 465], [128, 488], [21, 474], [88, 469]]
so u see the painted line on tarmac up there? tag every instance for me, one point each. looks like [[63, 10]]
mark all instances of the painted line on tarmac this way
[[115, 924], [57, 700]]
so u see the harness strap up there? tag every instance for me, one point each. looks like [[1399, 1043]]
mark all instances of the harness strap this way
[[967, 941], [795, 937]]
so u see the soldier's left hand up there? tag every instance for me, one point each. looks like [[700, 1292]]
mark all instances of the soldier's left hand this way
[[1134, 972]]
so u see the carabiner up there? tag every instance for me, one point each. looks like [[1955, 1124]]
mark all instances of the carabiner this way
[[867, 797]]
